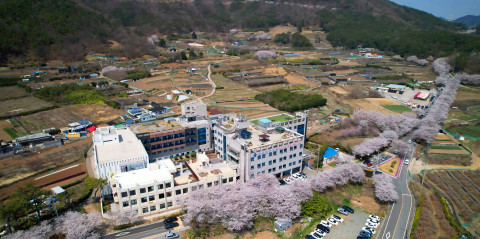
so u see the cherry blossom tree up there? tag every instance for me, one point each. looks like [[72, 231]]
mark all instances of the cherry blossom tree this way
[[467, 79], [441, 66], [414, 59], [401, 147], [339, 176], [389, 135], [123, 217], [153, 40], [77, 225], [370, 146], [384, 188], [264, 55], [44, 230], [345, 158]]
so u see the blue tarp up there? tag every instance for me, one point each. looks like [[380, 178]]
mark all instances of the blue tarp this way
[[265, 121], [329, 153]]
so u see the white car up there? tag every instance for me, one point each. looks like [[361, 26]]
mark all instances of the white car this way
[[374, 217], [326, 223], [369, 229], [287, 180], [337, 218], [322, 233], [407, 161], [373, 221], [332, 221], [372, 225]]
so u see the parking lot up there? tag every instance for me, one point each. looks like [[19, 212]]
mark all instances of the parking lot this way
[[351, 227], [408, 97]]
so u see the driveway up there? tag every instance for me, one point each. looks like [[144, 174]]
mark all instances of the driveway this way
[[351, 227]]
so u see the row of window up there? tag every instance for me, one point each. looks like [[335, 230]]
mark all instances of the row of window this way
[[274, 153], [146, 209], [144, 190], [261, 165]]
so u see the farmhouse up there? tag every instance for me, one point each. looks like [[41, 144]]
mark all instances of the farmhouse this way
[[330, 156], [32, 139]]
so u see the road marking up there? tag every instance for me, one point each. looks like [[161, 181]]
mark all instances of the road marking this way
[[387, 235], [388, 219], [411, 205], [122, 234], [141, 232], [398, 219]]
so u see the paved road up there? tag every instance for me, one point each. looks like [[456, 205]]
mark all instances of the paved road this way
[[396, 225], [155, 229]]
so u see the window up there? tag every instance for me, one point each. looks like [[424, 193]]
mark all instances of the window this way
[[169, 194], [252, 175], [274, 152], [263, 164], [270, 154], [230, 179], [151, 198], [162, 205], [161, 195], [259, 165], [215, 183], [160, 186], [194, 188], [145, 209], [224, 180], [124, 194], [142, 190], [169, 204], [263, 156], [125, 204], [270, 162], [290, 164], [209, 185], [153, 208], [294, 163], [299, 161], [252, 159], [132, 192], [252, 167], [185, 190], [167, 185], [150, 189], [269, 170], [144, 199], [133, 202], [178, 192], [200, 186], [274, 161], [259, 156]]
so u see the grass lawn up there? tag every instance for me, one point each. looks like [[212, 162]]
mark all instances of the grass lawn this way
[[11, 132], [391, 166], [277, 118], [397, 108], [468, 130]]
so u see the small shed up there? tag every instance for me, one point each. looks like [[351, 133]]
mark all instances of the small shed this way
[[283, 224], [57, 190], [265, 123], [330, 156]]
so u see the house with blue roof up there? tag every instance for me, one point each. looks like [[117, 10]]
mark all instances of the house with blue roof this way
[[330, 156]]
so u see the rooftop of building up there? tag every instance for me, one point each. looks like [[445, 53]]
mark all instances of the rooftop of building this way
[[142, 177], [260, 137], [204, 168], [275, 118], [129, 147], [155, 126]]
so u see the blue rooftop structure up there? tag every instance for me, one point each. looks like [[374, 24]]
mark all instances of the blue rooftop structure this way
[[265, 121], [330, 153], [395, 86]]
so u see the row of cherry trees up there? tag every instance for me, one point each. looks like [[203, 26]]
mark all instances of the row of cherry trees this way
[[414, 59], [236, 206], [384, 188], [71, 225]]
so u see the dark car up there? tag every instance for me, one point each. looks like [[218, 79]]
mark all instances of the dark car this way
[[348, 209], [171, 225], [361, 237], [366, 234], [323, 228], [378, 172], [170, 220], [336, 217], [309, 237]]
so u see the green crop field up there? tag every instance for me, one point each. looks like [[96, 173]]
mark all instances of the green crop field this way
[[445, 147], [468, 130], [397, 108]]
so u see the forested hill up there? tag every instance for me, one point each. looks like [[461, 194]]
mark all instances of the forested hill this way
[[469, 20], [68, 29]]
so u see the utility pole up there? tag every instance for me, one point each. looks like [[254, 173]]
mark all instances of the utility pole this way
[[318, 152], [426, 165]]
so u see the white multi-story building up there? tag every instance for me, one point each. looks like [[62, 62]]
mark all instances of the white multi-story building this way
[[193, 111], [257, 150], [156, 188], [297, 123], [117, 150]]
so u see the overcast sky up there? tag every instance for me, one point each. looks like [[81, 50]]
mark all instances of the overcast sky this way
[[449, 9]]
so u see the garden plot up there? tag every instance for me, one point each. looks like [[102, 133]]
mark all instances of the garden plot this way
[[25, 104], [461, 188], [157, 82], [11, 92]]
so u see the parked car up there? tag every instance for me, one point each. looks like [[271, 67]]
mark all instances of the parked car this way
[[339, 219], [170, 220], [316, 235], [172, 236], [373, 221], [326, 223], [378, 172], [309, 237], [369, 229], [366, 234], [348, 209], [342, 211], [372, 225], [374, 217], [323, 228], [332, 221], [361, 237], [407, 161], [171, 225], [322, 233]]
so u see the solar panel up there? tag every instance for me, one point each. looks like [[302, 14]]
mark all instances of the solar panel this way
[[84, 121], [128, 122]]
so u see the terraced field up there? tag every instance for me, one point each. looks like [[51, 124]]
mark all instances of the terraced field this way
[[462, 187]]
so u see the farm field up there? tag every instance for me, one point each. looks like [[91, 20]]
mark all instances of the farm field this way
[[11, 92], [467, 130], [21, 166], [157, 82], [15, 106], [462, 187], [61, 117], [397, 108]]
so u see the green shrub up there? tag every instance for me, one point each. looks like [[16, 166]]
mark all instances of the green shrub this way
[[123, 226]]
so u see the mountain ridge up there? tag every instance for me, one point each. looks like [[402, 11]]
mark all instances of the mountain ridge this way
[[469, 20]]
